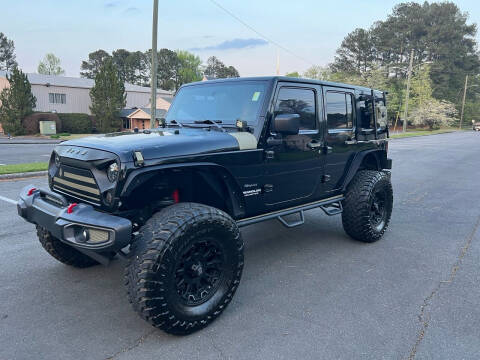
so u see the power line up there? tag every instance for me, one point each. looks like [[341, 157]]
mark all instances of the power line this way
[[259, 33]]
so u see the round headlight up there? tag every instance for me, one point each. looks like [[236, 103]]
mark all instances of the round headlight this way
[[112, 172], [57, 160]]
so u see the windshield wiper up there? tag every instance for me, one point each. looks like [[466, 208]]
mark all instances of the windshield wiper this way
[[207, 121], [176, 122]]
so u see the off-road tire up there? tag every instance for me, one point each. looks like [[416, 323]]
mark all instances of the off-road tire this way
[[150, 274], [356, 216], [63, 252]]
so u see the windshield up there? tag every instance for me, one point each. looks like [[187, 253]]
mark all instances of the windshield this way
[[221, 102]]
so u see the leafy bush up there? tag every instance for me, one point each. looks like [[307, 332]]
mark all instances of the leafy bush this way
[[76, 123], [434, 114]]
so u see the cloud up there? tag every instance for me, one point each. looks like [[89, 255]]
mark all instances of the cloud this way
[[233, 44]]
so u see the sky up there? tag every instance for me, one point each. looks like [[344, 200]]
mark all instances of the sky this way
[[310, 30]]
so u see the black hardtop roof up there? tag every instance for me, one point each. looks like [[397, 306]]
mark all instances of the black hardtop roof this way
[[286, 79]]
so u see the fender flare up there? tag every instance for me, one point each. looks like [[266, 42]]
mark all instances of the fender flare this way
[[235, 199], [380, 158]]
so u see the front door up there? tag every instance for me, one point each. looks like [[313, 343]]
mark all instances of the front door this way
[[292, 168], [340, 113]]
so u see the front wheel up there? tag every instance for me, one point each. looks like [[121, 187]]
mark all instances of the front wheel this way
[[63, 252], [185, 267], [368, 205]]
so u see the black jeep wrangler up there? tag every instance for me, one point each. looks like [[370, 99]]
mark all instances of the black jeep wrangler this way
[[229, 153]]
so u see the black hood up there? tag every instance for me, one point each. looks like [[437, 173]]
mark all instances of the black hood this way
[[159, 143]]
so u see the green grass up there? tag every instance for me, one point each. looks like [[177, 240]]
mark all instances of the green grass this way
[[421, 133], [67, 136], [19, 168]]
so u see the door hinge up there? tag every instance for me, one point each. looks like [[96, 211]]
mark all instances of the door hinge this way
[[326, 178]]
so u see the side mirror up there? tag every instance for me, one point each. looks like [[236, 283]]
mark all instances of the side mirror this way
[[288, 124]]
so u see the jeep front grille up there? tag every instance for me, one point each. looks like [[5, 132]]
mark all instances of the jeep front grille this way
[[77, 183]]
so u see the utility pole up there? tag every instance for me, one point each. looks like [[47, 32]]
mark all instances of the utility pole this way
[[463, 102], [408, 92], [153, 82]]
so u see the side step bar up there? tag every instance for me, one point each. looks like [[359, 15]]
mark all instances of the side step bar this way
[[330, 206]]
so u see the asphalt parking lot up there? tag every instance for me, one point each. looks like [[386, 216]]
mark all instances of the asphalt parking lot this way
[[24, 153], [306, 293]]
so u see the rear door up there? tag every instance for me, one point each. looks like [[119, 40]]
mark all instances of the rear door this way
[[340, 115], [293, 169]]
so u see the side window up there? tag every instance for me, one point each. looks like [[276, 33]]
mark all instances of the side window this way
[[298, 101], [367, 121], [339, 110]]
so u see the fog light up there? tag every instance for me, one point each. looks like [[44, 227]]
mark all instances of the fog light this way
[[85, 236], [91, 236]]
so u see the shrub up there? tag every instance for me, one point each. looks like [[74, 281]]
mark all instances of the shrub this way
[[434, 114], [31, 123], [76, 123]]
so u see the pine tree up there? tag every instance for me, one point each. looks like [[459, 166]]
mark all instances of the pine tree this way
[[108, 97], [17, 102]]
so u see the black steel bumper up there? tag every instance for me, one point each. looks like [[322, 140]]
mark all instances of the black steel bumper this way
[[49, 210]]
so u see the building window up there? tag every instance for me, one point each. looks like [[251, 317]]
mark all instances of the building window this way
[[126, 123], [57, 98]]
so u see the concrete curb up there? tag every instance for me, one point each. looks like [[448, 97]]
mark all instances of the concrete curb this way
[[23, 175]]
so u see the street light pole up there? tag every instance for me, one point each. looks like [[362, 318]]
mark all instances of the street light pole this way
[[408, 92], [153, 82], [463, 102]]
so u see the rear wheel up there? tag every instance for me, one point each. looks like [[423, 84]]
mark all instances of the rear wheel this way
[[368, 205], [185, 267], [63, 252]]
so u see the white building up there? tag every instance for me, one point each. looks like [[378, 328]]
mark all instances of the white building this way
[[63, 94]]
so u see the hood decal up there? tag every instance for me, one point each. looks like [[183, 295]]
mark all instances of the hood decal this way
[[245, 140]]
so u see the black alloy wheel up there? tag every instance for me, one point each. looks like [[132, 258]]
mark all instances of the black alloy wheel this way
[[199, 272]]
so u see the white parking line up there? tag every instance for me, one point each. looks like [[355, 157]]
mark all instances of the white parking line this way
[[8, 200]]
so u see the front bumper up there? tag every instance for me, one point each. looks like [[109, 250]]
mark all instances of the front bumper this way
[[49, 210]]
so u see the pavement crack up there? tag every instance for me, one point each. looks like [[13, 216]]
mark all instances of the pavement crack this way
[[136, 344], [424, 316]]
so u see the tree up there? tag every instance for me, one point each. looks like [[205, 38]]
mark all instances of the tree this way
[[437, 33], [108, 97], [17, 102], [189, 68], [137, 68], [95, 61], [168, 68], [356, 54], [119, 58], [50, 65], [7, 53], [294, 74], [434, 114], [317, 72], [217, 69]]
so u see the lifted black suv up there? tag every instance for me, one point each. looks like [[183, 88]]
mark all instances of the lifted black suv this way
[[230, 153]]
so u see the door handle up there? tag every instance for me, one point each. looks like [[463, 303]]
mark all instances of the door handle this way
[[314, 145]]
